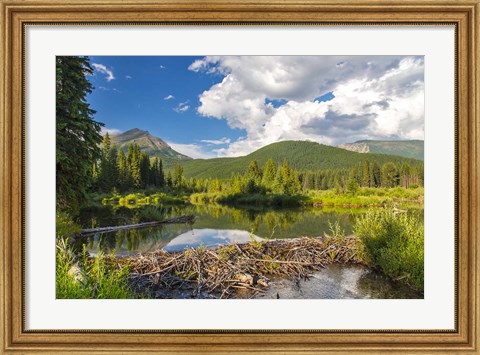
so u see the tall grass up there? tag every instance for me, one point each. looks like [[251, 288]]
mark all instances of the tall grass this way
[[78, 276], [394, 243], [81, 277], [366, 196]]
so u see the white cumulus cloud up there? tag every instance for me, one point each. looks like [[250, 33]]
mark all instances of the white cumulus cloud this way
[[169, 97], [104, 70], [372, 97]]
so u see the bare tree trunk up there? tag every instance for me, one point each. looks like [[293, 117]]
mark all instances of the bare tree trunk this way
[[179, 219]]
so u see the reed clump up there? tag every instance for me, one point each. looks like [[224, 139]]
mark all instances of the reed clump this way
[[394, 244], [222, 271], [79, 276]]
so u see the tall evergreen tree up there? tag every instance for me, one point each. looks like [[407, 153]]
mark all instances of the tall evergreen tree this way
[[254, 171], [352, 183], [123, 180], [366, 178], [177, 175], [269, 172], [77, 133], [294, 185], [112, 164], [161, 174], [108, 174], [169, 179], [135, 166], [145, 169], [157, 177], [375, 174], [389, 175]]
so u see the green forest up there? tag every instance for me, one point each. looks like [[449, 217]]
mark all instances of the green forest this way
[[118, 173]]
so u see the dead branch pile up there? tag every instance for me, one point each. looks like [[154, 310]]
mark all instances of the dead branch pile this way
[[220, 272]]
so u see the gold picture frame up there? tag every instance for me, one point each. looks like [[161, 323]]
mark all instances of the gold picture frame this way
[[17, 14]]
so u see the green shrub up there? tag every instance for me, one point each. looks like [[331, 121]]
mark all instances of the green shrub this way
[[365, 196], [149, 214], [394, 243], [65, 226], [205, 197]]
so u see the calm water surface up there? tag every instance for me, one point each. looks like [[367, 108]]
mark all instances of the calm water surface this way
[[218, 225], [214, 225]]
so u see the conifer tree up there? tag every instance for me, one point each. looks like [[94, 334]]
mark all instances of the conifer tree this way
[[144, 169], [375, 174], [269, 172], [254, 171], [169, 180], [352, 183], [294, 185], [77, 133], [177, 176], [389, 175], [123, 180], [135, 167]]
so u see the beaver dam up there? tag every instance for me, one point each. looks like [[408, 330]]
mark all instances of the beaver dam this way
[[225, 271]]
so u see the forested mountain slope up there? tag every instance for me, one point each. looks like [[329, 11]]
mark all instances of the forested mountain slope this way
[[301, 155]]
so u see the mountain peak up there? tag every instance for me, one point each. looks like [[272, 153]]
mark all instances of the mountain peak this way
[[405, 148], [134, 131], [154, 146]]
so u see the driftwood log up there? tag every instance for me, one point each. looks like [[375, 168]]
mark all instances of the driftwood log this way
[[179, 219]]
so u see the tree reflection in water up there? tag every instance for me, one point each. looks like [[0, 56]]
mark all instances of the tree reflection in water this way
[[265, 223]]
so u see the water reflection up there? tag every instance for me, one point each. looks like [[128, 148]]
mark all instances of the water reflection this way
[[133, 241], [338, 281], [208, 238], [214, 224]]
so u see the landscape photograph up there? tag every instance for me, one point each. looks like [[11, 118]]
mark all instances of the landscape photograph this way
[[240, 177]]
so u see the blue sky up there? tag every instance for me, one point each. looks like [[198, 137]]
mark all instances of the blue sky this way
[[231, 106], [157, 94]]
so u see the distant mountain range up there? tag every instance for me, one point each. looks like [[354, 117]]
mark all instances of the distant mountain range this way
[[301, 155], [154, 146], [404, 148]]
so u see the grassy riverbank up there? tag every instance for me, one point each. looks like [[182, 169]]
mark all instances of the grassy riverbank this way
[[366, 196], [363, 197]]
